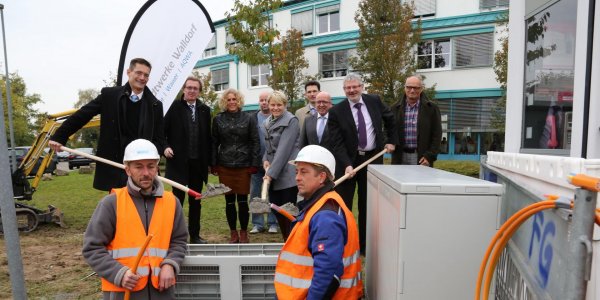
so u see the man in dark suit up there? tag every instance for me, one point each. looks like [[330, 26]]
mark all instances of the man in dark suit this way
[[187, 130], [419, 126], [314, 131], [128, 112], [357, 123]]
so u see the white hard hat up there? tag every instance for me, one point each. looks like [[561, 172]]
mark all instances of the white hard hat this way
[[315, 154], [140, 149]]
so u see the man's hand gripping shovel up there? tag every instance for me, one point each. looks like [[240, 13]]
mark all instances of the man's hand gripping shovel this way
[[262, 205]]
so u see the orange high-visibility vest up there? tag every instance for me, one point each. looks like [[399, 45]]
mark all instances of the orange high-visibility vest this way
[[130, 236], [294, 270]]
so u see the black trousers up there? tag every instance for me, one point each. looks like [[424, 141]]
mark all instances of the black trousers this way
[[194, 169], [346, 191]]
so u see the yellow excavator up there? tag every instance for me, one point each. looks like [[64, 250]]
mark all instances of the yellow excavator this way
[[28, 217]]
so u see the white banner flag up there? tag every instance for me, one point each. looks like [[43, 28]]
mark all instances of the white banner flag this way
[[171, 35]]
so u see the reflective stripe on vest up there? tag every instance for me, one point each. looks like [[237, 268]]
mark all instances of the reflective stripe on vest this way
[[128, 252], [351, 259], [351, 282], [130, 234], [294, 271], [296, 259], [293, 282]]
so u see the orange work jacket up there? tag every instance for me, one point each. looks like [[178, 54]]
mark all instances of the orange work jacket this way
[[294, 270], [130, 236]]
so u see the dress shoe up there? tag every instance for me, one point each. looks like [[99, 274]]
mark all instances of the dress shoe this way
[[235, 238], [197, 240], [244, 237]]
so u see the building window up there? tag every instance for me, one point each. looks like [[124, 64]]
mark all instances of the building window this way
[[328, 19], [259, 75], [486, 4], [334, 64], [549, 77], [229, 39], [303, 22], [211, 48], [474, 50], [424, 8], [434, 54], [220, 79]]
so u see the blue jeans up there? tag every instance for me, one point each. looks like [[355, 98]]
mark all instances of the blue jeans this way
[[258, 220]]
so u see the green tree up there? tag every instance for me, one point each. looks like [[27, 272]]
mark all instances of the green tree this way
[[498, 120], [251, 27], [385, 55], [86, 137], [289, 62], [24, 113], [208, 95]]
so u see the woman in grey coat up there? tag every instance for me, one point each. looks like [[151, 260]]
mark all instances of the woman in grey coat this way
[[282, 137]]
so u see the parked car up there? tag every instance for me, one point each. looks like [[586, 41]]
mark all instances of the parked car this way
[[63, 156], [78, 161], [20, 153]]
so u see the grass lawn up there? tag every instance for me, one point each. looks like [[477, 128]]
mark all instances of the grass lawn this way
[[53, 265]]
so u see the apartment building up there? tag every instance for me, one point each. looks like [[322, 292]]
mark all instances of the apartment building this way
[[459, 39]]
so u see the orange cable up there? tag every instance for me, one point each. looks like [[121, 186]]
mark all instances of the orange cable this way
[[497, 237], [505, 238]]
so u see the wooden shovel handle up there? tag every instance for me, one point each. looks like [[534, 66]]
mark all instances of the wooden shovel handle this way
[[376, 156], [121, 166], [137, 261]]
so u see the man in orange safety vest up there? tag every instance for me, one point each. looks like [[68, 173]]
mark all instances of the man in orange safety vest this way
[[123, 220], [321, 257]]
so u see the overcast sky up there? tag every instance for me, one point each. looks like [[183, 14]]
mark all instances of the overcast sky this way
[[60, 47]]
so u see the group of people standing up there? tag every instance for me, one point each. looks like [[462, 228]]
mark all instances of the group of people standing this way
[[247, 150]]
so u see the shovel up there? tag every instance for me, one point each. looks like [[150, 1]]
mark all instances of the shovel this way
[[289, 210], [174, 184]]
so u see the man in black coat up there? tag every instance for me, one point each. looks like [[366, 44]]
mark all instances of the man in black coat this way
[[128, 112], [357, 123], [419, 126], [187, 130], [315, 125]]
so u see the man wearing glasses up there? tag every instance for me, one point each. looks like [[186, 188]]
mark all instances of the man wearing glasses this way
[[188, 150], [357, 124], [419, 126], [314, 131]]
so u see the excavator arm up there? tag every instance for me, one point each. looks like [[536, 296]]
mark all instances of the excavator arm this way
[[28, 217], [36, 151]]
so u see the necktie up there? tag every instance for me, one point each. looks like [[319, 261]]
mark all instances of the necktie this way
[[313, 111], [192, 107], [320, 127], [362, 127], [134, 98]]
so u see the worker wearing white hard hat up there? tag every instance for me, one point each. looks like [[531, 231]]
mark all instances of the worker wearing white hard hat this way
[[123, 220], [324, 234]]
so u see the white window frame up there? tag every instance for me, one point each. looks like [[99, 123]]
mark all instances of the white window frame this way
[[335, 69], [220, 85], [309, 14], [432, 55], [477, 44], [259, 73], [211, 48], [329, 12]]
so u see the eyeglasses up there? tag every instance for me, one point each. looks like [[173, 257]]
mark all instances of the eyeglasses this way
[[323, 102], [191, 88], [352, 87], [416, 88]]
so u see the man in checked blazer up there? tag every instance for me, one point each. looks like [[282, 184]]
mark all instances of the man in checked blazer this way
[[357, 124]]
